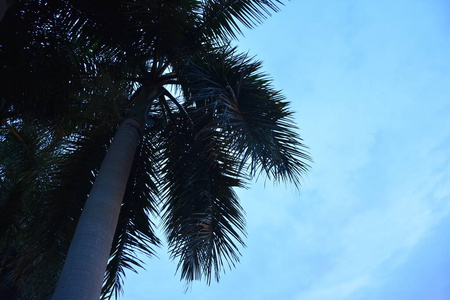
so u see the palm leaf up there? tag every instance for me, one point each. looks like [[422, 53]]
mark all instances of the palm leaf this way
[[202, 217], [220, 19], [28, 258], [254, 118]]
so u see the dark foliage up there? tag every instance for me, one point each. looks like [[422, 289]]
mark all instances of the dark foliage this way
[[71, 71]]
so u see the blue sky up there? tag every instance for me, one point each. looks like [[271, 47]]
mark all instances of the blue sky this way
[[370, 84]]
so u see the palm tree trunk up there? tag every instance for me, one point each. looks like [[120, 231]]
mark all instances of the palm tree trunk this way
[[82, 275]]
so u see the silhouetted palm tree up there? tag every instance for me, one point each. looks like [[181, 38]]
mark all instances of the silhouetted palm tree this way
[[218, 124]]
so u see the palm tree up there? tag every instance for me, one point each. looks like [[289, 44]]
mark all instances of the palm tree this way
[[225, 125]]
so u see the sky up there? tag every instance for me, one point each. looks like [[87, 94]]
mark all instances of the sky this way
[[370, 84]]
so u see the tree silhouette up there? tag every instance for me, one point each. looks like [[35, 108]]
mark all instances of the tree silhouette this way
[[178, 153]]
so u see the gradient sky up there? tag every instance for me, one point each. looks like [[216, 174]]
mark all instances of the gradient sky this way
[[370, 84]]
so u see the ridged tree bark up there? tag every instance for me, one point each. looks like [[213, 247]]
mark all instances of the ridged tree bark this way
[[82, 275]]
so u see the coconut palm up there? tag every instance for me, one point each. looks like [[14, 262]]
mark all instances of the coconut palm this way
[[223, 124]]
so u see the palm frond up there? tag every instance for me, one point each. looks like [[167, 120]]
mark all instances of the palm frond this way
[[202, 217], [255, 118], [222, 19], [20, 248]]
